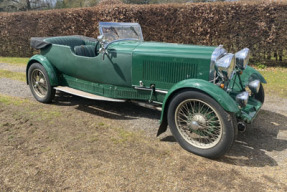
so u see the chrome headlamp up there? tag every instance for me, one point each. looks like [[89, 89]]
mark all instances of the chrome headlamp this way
[[242, 98], [242, 58], [226, 65], [254, 86], [216, 55]]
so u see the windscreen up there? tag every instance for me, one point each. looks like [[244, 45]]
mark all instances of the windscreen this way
[[118, 31]]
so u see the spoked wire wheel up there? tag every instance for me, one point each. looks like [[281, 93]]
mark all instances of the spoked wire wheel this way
[[198, 123], [39, 83]]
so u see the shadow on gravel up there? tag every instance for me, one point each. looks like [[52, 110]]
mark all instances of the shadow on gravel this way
[[265, 135], [169, 138], [112, 110], [250, 148]]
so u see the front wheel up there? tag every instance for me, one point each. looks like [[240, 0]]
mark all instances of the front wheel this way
[[39, 83], [200, 124]]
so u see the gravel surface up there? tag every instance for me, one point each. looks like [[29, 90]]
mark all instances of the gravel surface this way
[[14, 88], [275, 104], [13, 68]]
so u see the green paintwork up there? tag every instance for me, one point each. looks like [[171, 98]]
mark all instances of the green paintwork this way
[[166, 66], [47, 65], [218, 94], [111, 91], [251, 72], [128, 62], [248, 113], [115, 69]]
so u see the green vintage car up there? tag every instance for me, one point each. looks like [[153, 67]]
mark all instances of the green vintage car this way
[[206, 94]]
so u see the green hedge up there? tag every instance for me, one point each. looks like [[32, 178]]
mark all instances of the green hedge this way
[[261, 27]]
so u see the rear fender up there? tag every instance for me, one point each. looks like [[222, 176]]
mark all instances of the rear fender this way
[[52, 72], [218, 94]]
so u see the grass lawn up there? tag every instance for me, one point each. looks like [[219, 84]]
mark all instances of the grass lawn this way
[[13, 75], [276, 81], [21, 61]]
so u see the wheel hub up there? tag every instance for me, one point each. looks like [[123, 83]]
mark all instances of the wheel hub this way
[[41, 81], [198, 121]]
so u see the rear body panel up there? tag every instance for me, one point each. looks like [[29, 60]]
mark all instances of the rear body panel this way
[[114, 69]]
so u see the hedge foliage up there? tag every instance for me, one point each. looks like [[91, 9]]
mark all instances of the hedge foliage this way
[[261, 27]]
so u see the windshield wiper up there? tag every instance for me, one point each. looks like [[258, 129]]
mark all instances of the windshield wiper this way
[[115, 31], [133, 29]]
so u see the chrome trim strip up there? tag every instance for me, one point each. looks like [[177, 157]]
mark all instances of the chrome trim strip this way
[[161, 91], [143, 88], [150, 89]]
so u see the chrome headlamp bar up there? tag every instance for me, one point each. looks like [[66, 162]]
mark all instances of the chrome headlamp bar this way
[[242, 58], [226, 64]]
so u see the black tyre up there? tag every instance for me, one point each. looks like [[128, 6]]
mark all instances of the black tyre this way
[[260, 96], [200, 124], [39, 83]]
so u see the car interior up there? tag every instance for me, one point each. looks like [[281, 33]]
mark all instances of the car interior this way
[[80, 45]]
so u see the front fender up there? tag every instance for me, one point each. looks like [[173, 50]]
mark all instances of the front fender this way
[[52, 73], [218, 94], [250, 72]]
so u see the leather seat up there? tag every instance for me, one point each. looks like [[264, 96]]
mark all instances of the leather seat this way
[[85, 50], [82, 47]]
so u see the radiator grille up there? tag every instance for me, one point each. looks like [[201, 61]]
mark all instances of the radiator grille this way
[[169, 72]]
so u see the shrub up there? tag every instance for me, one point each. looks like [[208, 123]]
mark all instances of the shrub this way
[[261, 27]]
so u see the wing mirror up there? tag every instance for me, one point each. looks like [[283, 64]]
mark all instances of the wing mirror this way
[[102, 49], [100, 38]]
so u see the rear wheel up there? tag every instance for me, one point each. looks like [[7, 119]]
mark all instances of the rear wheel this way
[[39, 83], [200, 124]]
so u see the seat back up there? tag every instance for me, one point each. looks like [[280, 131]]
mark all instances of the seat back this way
[[85, 50]]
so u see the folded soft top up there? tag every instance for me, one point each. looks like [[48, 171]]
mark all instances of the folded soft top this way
[[38, 42], [42, 42]]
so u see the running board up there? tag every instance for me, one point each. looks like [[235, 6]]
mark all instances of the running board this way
[[85, 94]]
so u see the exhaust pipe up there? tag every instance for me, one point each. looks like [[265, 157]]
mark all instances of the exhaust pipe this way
[[241, 126]]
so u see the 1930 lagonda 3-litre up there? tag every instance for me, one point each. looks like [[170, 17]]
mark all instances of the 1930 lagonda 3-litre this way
[[205, 93]]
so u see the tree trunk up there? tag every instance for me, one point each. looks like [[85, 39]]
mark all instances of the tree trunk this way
[[28, 4]]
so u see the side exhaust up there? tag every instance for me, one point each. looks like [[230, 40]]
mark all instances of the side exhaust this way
[[241, 126]]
